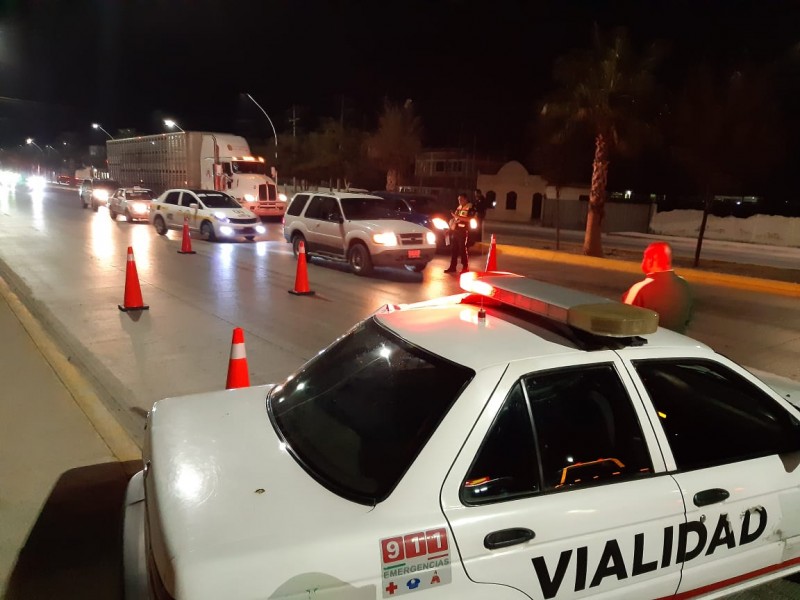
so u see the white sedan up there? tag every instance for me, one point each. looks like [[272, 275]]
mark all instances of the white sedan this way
[[212, 214], [517, 441]]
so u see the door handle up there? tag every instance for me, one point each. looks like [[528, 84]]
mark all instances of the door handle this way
[[711, 496], [507, 537]]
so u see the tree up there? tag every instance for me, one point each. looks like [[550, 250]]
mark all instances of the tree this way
[[726, 131], [396, 143], [607, 89], [560, 160]]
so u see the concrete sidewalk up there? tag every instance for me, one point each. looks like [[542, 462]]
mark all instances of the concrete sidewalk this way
[[63, 470]]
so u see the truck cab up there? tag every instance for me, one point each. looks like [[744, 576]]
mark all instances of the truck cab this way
[[241, 175]]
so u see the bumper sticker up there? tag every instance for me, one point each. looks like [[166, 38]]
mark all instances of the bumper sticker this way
[[415, 561]]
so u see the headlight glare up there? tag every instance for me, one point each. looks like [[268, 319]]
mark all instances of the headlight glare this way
[[387, 238], [430, 237]]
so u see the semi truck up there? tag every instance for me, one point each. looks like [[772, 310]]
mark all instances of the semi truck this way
[[196, 160]]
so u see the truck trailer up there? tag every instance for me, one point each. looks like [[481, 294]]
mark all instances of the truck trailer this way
[[196, 160]]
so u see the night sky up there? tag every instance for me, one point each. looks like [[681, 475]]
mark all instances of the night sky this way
[[475, 70]]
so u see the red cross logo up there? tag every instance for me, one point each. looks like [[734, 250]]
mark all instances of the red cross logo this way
[[391, 588]]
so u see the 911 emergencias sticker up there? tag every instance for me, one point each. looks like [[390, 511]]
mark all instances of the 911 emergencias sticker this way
[[415, 561]]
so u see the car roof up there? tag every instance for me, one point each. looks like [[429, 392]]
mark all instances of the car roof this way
[[478, 330], [340, 194]]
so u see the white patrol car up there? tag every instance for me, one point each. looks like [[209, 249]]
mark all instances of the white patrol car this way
[[364, 230], [210, 213], [579, 452]]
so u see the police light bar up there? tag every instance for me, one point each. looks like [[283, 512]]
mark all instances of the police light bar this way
[[587, 312]]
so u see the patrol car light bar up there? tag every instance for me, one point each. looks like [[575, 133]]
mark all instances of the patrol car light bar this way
[[587, 312]]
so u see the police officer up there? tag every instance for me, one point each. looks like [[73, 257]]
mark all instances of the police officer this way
[[662, 290], [459, 234]]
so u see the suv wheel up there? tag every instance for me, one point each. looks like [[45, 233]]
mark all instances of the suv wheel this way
[[297, 239], [359, 259]]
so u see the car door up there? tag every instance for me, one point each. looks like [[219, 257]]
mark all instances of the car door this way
[[169, 209], [734, 449], [560, 490], [325, 229], [191, 209]]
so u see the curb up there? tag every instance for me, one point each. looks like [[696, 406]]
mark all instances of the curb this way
[[742, 282], [107, 427]]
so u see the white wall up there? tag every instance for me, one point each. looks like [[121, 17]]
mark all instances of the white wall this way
[[758, 229]]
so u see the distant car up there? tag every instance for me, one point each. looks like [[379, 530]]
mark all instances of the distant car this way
[[518, 441], [429, 211], [133, 203], [65, 180], [211, 213], [95, 192], [361, 229]]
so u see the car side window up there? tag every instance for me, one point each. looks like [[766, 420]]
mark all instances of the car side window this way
[[559, 429], [586, 427], [188, 199], [297, 205], [506, 466], [693, 397], [319, 207], [330, 209], [172, 198]]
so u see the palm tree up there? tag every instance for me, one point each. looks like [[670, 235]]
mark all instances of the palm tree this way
[[605, 89], [397, 141]]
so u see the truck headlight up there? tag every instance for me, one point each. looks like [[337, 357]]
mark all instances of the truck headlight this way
[[430, 237], [261, 229], [249, 198], [139, 208], [282, 197], [100, 194], [473, 223], [221, 217], [387, 238]]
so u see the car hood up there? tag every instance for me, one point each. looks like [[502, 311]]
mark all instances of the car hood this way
[[397, 225], [226, 502], [233, 213]]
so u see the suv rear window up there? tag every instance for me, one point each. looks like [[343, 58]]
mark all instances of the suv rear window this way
[[296, 207]]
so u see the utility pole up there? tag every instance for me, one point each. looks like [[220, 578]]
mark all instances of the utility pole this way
[[294, 121]]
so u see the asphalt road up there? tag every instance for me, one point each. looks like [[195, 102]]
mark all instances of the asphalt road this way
[[69, 264]]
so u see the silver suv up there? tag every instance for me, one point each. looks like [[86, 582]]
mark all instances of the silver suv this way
[[363, 230]]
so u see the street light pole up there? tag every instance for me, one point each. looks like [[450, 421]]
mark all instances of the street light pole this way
[[97, 126], [30, 142], [170, 123], [275, 133]]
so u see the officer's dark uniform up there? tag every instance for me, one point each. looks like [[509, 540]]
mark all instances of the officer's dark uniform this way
[[666, 293], [459, 236]]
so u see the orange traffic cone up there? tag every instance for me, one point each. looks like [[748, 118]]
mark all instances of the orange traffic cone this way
[[301, 279], [133, 293], [186, 243], [238, 376], [491, 260]]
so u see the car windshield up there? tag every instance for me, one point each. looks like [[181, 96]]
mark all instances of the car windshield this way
[[425, 205], [356, 209], [358, 414], [140, 195], [249, 167], [217, 200]]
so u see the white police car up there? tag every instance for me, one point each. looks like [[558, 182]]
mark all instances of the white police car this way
[[210, 213], [579, 453]]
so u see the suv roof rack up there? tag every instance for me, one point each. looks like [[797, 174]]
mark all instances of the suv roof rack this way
[[585, 312]]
